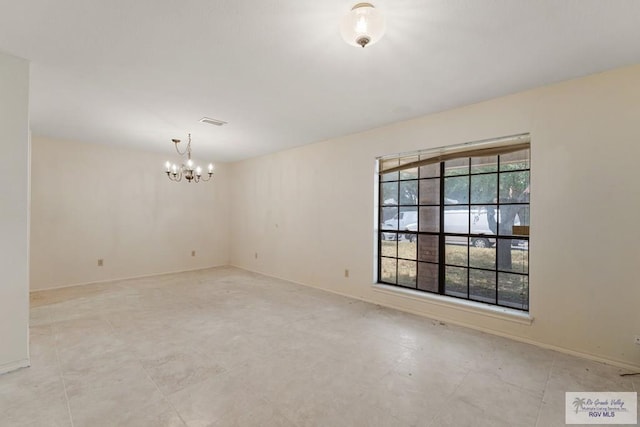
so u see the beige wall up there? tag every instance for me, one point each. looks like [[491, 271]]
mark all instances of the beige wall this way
[[308, 212], [91, 201], [14, 212]]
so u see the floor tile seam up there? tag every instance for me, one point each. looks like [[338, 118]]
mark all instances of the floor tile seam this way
[[164, 396], [455, 390], [278, 409], [309, 316], [453, 393], [232, 366], [61, 373], [132, 353], [498, 417], [544, 391], [281, 411], [525, 387]]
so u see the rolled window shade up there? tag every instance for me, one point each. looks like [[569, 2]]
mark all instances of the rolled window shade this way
[[483, 148]]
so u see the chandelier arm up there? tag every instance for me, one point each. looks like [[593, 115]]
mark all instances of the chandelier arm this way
[[208, 178]]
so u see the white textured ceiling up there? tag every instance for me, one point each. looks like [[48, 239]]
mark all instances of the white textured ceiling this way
[[140, 72]]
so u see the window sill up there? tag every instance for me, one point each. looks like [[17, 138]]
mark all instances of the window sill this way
[[502, 313]]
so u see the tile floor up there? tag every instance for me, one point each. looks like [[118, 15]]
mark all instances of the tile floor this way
[[225, 347]]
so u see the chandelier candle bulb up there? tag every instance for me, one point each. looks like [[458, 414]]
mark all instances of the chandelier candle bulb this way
[[198, 171], [210, 168], [168, 166]]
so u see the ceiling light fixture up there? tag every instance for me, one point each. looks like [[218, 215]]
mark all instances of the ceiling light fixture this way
[[188, 170], [363, 26]]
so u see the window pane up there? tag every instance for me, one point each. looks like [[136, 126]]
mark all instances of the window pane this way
[[429, 219], [409, 192], [513, 255], [456, 250], [430, 171], [388, 270], [388, 246], [388, 164], [483, 219], [388, 236], [407, 248], [520, 256], [522, 219], [430, 191], [428, 248], [513, 290], [519, 229], [456, 220], [428, 277], [409, 173], [482, 257], [389, 219], [407, 272], [456, 190], [516, 160], [408, 218], [455, 282], [393, 176], [514, 187], [507, 219], [484, 188], [482, 285], [480, 225], [456, 167], [389, 195], [484, 164]]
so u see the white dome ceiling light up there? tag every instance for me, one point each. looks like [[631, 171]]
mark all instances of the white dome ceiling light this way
[[363, 26]]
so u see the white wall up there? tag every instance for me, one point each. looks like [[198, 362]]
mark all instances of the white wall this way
[[14, 213], [308, 212], [93, 202]]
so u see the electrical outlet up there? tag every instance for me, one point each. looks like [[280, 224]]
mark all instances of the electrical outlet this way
[[100, 262], [193, 253], [346, 273], [637, 339]]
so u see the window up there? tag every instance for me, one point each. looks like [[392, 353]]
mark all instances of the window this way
[[456, 222]]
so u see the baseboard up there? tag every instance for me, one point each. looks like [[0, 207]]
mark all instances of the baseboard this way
[[13, 366], [564, 350], [116, 279]]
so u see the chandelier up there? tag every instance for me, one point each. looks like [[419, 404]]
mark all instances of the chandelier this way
[[188, 170]]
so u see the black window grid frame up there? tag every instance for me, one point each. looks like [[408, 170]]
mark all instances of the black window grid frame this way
[[442, 265]]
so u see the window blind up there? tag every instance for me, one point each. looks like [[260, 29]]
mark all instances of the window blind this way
[[492, 147]]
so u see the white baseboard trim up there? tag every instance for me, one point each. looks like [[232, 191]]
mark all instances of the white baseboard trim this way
[[13, 366], [117, 279], [583, 355]]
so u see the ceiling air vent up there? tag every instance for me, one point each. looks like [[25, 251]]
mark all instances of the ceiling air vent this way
[[212, 121]]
